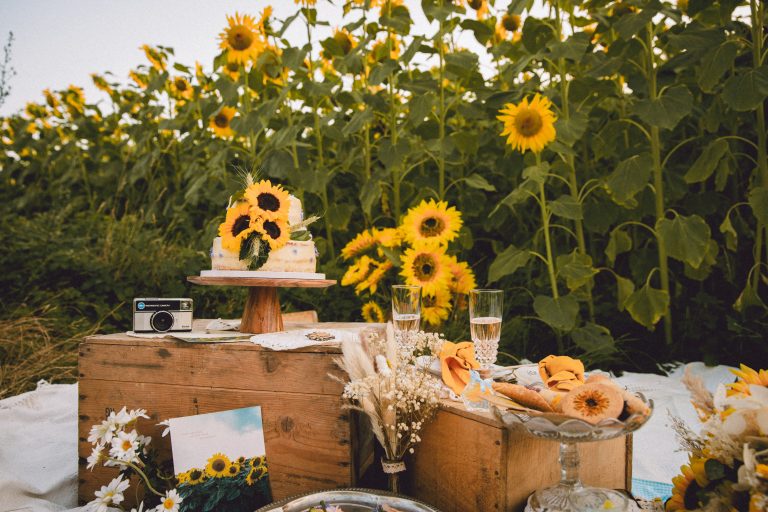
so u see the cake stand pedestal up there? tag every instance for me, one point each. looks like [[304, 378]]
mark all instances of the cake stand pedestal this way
[[262, 307]]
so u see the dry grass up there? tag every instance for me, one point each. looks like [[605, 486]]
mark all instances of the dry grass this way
[[33, 348]]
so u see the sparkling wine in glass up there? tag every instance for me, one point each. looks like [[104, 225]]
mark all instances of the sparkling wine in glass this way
[[406, 307], [485, 326]]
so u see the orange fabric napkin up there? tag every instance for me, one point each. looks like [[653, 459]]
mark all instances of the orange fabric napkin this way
[[456, 359], [561, 373]]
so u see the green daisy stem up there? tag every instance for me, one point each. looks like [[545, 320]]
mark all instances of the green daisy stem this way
[[138, 470], [545, 228]]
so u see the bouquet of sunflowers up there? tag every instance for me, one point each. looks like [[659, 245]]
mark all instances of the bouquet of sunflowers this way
[[728, 469], [258, 222], [417, 250]]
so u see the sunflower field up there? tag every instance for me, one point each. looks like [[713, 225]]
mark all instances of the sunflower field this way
[[607, 160]]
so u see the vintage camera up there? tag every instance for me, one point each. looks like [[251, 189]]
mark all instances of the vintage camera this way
[[162, 315]]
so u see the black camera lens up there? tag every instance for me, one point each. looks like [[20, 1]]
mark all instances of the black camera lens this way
[[161, 321]]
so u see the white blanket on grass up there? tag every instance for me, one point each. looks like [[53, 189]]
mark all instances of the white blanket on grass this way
[[38, 439]]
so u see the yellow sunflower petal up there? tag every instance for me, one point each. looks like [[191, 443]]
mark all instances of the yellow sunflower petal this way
[[433, 221], [372, 313], [220, 123], [237, 225], [426, 266], [241, 39], [268, 201], [528, 125]]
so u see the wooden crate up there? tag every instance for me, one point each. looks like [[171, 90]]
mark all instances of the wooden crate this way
[[468, 462], [311, 442]]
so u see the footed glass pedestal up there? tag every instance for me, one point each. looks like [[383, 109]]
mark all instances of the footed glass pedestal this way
[[570, 495]]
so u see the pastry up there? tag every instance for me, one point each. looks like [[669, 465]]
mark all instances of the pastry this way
[[593, 402], [523, 396]]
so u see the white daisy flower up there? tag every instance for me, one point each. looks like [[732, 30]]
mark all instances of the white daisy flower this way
[[103, 432], [167, 425], [135, 414], [120, 418], [111, 494], [124, 446], [170, 503], [96, 455]]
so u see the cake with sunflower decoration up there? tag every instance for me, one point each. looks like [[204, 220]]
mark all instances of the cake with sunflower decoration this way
[[264, 230]]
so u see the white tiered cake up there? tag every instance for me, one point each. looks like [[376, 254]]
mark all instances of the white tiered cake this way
[[294, 256]]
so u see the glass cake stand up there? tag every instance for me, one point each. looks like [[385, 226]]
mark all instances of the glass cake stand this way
[[570, 495]]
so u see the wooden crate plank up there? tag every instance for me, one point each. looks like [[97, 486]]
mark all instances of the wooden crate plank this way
[[458, 466], [169, 362], [307, 437]]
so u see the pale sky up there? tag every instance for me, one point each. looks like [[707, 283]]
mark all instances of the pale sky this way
[[58, 43]]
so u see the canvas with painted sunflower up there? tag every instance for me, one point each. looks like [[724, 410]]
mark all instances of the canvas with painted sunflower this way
[[419, 251]]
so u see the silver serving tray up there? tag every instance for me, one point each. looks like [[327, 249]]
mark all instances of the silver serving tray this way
[[350, 500]]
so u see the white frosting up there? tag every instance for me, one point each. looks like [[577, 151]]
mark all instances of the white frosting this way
[[295, 213]]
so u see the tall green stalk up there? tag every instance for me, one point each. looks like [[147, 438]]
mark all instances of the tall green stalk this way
[[756, 11], [545, 216], [572, 182], [393, 122], [658, 184], [441, 110]]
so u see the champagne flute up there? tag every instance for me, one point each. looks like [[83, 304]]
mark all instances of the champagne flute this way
[[406, 307], [485, 326]]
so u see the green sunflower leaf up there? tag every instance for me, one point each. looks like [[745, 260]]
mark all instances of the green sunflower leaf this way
[[507, 262], [707, 161], [686, 238], [668, 109], [647, 305], [628, 179], [560, 313]]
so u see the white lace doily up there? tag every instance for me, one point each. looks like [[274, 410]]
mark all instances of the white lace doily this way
[[289, 340]]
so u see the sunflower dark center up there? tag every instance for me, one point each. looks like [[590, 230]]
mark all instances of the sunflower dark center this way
[[431, 226], [181, 85], [241, 224], [428, 301], [475, 4], [195, 474], [691, 497], [233, 66], [268, 202], [510, 22], [221, 120], [272, 229], [218, 465], [424, 267], [528, 122], [240, 39], [232, 470]]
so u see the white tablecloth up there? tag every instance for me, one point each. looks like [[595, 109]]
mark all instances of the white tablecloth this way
[[38, 439]]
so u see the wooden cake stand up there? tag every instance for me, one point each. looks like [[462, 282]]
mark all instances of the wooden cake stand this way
[[262, 308]]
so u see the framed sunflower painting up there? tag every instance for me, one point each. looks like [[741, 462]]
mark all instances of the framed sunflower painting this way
[[220, 460]]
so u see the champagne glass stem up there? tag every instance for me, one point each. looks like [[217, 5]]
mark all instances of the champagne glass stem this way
[[569, 465]]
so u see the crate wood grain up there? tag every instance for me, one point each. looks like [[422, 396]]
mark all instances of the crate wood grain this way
[[468, 462], [311, 442]]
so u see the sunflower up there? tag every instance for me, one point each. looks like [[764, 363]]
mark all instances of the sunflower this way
[[371, 283], [156, 58], [237, 226], [241, 39], [528, 125], [140, 80], [427, 266], [361, 243], [685, 487], [436, 307], [220, 123], [357, 271], [746, 377], [372, 313], [511, 22], [232, 70], [51, 99], [305, 3], [263, 23], [389, 47], [196, 476], [433, 221], [267, 200], [101, 84], [258, 461], [463, 279], [181, 88], [275, 231], [218, 465], [233, 470], [255, 474], [183, 478], [74, 98], [388, 237], [480, 7]]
